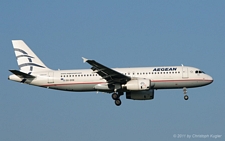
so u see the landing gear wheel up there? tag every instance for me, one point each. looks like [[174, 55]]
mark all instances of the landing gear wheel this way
[[115, 96], [185, 93], [118, 102], [186, 97]]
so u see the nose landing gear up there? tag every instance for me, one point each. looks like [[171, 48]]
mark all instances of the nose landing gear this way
[[185, 93], [186, 97]]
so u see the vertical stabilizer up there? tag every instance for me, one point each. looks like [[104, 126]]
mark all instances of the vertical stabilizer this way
[[26, 59]]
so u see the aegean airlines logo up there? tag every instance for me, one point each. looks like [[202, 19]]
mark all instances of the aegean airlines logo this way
[[164, 69]]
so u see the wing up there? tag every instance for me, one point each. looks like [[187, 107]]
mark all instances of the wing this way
[[110, 75]]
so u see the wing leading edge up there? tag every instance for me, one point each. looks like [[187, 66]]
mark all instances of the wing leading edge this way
[[110, 75]]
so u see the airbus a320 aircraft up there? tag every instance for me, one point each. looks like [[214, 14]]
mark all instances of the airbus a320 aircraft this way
[[137, 83]]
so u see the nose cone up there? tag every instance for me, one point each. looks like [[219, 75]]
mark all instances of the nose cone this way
[[209, 79]]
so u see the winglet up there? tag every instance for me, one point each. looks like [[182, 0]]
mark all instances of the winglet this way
[[84, 59]]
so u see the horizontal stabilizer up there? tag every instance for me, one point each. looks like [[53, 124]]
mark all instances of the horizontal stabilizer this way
[[21, 74]]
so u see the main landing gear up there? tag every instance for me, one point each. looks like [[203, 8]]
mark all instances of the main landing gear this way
[[185, 93], [116, 97]]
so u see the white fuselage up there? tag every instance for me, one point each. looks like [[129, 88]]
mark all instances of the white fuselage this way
[[137, 83], [169, 77]]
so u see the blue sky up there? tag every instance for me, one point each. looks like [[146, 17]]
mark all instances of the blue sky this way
[[117, 34]]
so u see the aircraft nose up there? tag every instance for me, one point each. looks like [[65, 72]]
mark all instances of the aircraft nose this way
[[210, 79]]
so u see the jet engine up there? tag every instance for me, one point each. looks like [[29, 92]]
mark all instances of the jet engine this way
[[137, 85], [140, 95]]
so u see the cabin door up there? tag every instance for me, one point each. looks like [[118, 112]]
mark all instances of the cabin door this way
[[50, 77], [184, 72]]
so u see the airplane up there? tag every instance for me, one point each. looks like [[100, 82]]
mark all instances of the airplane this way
[[137, 83]]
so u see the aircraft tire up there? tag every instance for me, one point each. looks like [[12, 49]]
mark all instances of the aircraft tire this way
[[118, 102], [186, 97], [115, 96]]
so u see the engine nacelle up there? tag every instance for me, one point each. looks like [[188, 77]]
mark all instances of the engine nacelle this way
[[137, 85], [102, 87], [140, 95]]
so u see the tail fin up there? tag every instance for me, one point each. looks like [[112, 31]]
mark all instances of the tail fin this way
[[26, 59]]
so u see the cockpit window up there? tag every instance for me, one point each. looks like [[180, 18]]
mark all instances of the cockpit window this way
[[197, 71], [201, 72]]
